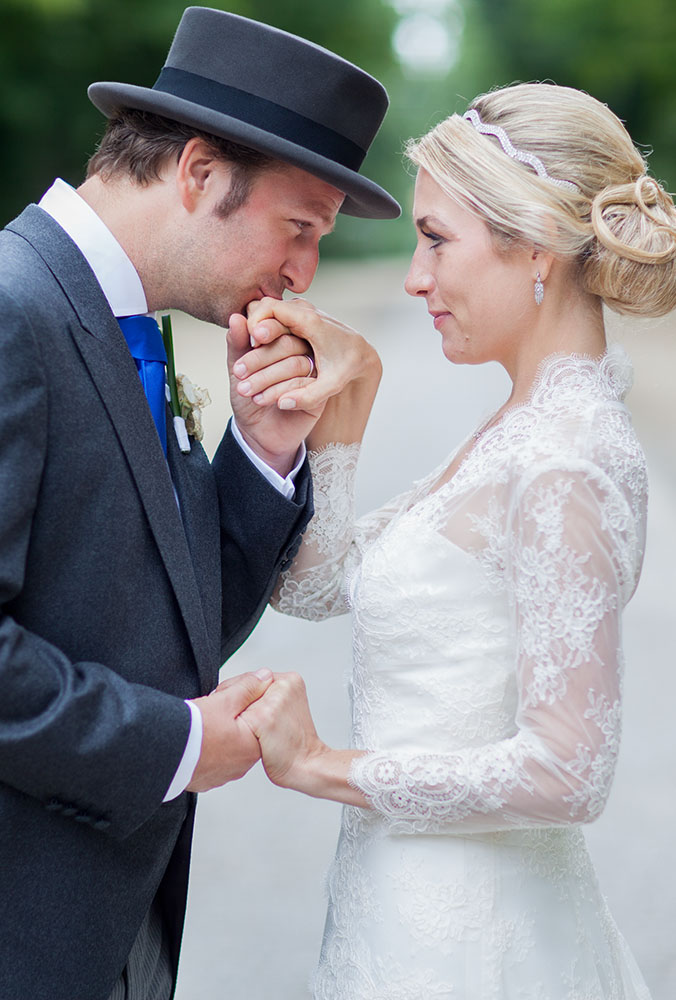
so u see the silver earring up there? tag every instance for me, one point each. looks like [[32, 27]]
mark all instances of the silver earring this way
[[539, 290]]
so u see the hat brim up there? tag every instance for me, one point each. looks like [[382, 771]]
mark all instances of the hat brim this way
[[363, 198]]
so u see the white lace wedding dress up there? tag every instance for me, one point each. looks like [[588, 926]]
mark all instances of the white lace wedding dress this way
[[486, 687]]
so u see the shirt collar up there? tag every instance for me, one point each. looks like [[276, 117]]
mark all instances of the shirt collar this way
[[112, 267]]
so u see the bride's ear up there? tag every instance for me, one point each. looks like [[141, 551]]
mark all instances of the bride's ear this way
[[541, 263]]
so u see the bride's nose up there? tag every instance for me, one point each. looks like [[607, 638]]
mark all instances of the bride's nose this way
[[418, 281]]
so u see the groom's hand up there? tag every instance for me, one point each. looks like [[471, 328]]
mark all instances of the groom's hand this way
[[273, 434], [229, 748], [277, 395]]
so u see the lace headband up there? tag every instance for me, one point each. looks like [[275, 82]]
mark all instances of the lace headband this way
[[533, 161]]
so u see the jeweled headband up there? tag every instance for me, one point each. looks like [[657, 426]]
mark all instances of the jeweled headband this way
[[530, 159]]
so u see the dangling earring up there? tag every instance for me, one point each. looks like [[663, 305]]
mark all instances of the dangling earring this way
[[539, 289]]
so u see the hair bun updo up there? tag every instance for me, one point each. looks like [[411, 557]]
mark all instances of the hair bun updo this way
[[631, 264]]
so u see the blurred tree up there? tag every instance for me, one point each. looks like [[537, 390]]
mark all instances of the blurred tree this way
[[50, 50], [620, 52]]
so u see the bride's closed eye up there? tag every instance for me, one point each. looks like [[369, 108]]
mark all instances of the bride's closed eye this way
[[434, 238]]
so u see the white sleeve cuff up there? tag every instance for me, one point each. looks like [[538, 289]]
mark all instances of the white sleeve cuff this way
[[191, 755], [284, 486]]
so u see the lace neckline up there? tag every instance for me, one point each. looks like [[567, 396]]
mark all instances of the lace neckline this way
[[561, 376]]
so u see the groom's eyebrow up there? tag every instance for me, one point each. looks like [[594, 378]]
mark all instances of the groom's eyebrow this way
[[318, 209]]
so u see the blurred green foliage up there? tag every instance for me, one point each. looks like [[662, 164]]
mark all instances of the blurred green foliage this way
[[50, 50], [620, 51]]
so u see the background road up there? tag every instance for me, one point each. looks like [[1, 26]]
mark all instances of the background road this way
[[256, 905]]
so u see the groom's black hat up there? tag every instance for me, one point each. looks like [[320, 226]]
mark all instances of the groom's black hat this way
[[272, 91]]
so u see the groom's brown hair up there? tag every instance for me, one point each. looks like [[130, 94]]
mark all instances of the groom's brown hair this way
[[139, 143]]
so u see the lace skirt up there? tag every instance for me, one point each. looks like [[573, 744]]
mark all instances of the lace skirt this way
[[503, 916]]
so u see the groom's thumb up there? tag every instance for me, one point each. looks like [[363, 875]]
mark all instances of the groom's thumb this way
[[247, 689], [238, 340]]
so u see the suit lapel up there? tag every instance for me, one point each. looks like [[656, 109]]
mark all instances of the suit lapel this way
[[112, 369], [195, 487]]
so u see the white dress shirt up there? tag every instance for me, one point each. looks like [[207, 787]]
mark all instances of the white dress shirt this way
[[124, 292]]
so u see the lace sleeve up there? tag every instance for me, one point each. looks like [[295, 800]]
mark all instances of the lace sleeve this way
[[314, 585], [570, 540]]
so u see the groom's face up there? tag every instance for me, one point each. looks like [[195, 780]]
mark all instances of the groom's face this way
[[268, 245]]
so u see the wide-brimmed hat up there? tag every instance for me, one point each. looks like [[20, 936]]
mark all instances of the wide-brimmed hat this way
[[272, 91]]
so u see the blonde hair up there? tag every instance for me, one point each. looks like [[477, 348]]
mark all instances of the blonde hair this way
[[618, 224]]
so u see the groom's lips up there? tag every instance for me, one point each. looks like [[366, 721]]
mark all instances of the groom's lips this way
[[274, 293], [259, 294]]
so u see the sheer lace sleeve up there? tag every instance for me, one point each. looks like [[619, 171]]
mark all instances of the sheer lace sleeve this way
[[571, 563], [314, 586]]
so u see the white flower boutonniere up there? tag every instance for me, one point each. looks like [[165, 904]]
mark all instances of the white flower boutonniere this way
[[192, 400], [186, 400]]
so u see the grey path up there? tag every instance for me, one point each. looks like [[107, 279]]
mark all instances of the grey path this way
[[256, 904]]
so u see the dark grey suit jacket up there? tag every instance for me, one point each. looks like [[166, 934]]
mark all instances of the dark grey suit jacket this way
[[113, 609]]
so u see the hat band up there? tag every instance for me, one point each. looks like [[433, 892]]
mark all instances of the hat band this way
[[261, 113]]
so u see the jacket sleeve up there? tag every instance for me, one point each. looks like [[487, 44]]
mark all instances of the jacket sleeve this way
[[72, 734], [260, 534]]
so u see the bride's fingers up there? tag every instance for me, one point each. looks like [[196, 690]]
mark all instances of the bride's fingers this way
[[285, 347], [310, 394], [266, 331], [276, 376], [333, 344], [274, 395]]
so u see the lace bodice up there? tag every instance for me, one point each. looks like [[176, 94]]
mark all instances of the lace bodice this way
[[486, 608]]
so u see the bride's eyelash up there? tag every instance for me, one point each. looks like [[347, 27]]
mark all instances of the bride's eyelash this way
[[435, 239]]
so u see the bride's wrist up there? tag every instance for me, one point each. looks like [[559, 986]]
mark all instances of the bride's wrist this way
[[324, 775]]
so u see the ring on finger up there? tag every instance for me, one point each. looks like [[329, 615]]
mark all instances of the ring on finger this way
[[312, 366]]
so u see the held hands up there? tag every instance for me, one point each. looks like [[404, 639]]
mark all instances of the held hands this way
[[229, 749], [267, 716], [283, 725], [291, 751], [276, 400]]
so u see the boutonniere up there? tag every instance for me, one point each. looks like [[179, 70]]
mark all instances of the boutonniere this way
[[192, 400], [185, 399]]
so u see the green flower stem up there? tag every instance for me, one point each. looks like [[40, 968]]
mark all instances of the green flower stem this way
[[171, 367]]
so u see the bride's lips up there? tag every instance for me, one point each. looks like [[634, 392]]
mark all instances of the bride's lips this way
[[439, 317]]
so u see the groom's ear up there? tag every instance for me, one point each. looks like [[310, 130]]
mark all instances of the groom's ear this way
[[201, 178]]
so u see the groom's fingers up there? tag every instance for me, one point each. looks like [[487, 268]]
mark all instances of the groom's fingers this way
[[229, 748], [236, 679], [245, 689]]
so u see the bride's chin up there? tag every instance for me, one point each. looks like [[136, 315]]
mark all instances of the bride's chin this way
[[455, 353]]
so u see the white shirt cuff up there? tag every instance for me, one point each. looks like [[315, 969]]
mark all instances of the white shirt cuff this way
[[191, 755], [284, 486]]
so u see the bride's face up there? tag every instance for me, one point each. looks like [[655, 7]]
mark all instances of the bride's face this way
[[479, 297]]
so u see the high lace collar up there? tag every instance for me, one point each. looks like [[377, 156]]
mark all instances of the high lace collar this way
[[564, 383], [611, 376]]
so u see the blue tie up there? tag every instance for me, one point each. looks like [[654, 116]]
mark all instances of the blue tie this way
[[147, 349]]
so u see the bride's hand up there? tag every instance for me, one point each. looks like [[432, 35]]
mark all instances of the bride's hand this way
[[293, 755], [282, 723], [337, 393]]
